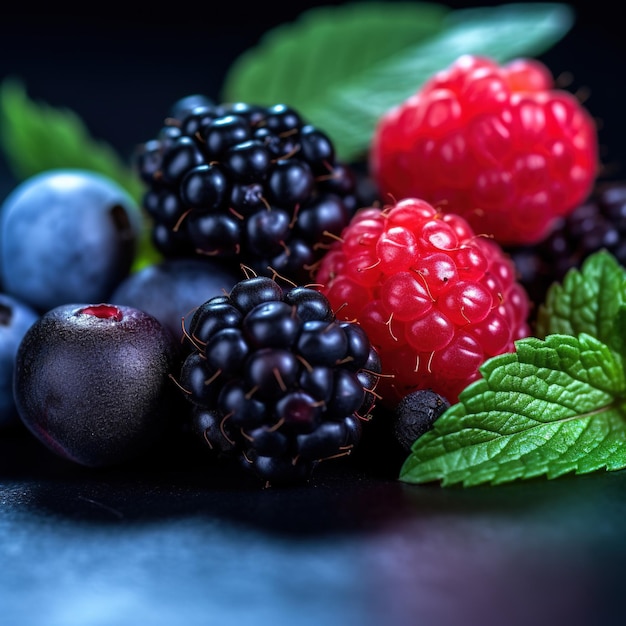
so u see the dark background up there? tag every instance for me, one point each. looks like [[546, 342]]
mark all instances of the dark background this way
[[179, 543], [120, 65]]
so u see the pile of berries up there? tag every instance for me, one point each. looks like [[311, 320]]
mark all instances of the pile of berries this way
[[276, 381], [435, 299], [478, 189], [253, 185], [498, 145]]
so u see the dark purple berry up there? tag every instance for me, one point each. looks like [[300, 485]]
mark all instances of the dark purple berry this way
[[322, 343], [182, 107], [280, 470], [323, 442], [247, 294], [299, 411], [254, 114], [196, 120], [248, 198], [271, 371], [310, 304], [225, 351], [93, 382], [242, 409], [207, 424], [164, 205], [170, 290], [284, 375], [296, 258], [359, 347], [248, 161], [274, 181], [290, 182], [318, 382], [183, 156], [268, 442], [282, 119], [149, 160], [267, 231], [317, 149], [212, 316], [223, 133], [205, 187], [273, 324], [195, 377], [325, 214], [213, 234], [348, 394]]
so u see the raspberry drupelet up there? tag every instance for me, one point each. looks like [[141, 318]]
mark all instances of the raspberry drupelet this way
[[435, 299]]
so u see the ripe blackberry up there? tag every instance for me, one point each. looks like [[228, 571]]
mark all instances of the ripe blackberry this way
[[499, 145], [275, 380], [599, 223], [434, 299], [252, 185]]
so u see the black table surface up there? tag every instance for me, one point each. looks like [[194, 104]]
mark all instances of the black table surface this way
[[178, 539]]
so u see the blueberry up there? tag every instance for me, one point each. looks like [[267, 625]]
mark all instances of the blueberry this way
[[67, 236], [172, 289], [93, 382], [15, 319]]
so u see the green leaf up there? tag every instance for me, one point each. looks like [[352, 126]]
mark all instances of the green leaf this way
[[587, 301], [36, 137], [552, 407], [303, 61], [339, 92]]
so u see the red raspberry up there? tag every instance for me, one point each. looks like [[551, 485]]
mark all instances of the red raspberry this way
[[434, 299], [509, 152]]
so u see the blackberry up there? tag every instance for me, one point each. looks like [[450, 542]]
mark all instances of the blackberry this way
[[599, 223], [276, 381], [253, 185]]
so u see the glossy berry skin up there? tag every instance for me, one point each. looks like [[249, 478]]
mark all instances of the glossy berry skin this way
[[15, 319], [66, 236], [92, 382], [247, 184], [276, 381], [435, 299], [499, 145], [171, 289]]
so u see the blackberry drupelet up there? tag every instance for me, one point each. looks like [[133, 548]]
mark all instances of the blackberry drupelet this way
[[252, 185], [599, 223], [276, 381]]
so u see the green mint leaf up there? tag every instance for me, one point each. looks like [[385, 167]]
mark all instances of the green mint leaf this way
[[617, 338], [36, 137], [587, 301], [552, 407], [331, 66]]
